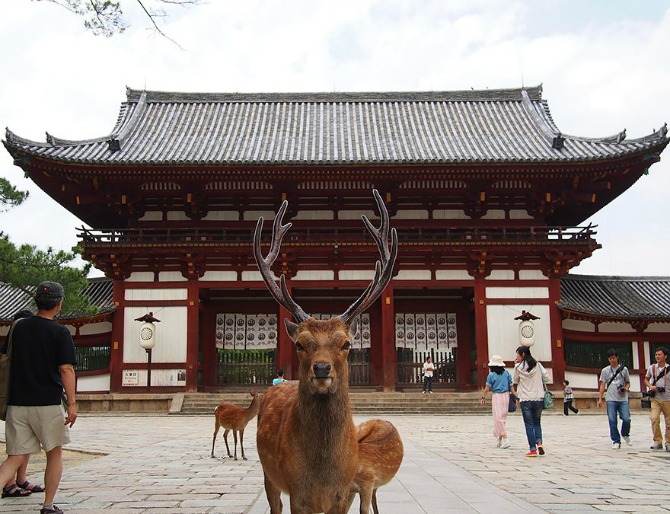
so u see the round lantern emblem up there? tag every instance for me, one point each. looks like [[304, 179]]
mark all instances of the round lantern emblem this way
[[146, 333], [527, 331]]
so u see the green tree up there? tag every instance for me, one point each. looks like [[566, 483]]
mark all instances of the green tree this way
[[9, 195], [24, 267]]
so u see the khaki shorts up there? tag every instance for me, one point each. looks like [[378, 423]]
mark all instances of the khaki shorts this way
[[28, 429]]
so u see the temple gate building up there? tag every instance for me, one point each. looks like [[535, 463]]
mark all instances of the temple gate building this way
[[488, 196]]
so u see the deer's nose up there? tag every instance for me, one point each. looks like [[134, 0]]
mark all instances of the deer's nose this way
[[321, 369]]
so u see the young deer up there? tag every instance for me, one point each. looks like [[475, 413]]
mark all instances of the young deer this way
[[306, 436], [235, 418], [380, 454]]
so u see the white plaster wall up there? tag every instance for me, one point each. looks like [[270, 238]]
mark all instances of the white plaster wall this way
[[494, 214], [252, 276], [223, 216], [177, 216], [152, 216], [219, 276], [413, 275], [315, 275], [141, 276], [659, 327], [171, 276], [578, 325], [156, 294], [517, 292], [356, 215], [583, 380], [96, 328], [159, 377], [457, 274], [503, 331], [531, 274], [357, 275], [450, 214], [615, 327], [170, 334], [411, 215], [314, 215], [94, 383], [518, 214], [501, 274]]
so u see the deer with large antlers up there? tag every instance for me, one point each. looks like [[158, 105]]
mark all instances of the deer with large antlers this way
[[235, 418], [306, 437], [380, 453]]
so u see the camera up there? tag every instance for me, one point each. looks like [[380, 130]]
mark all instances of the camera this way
[[660, 389], [622, 389], [650, 394]]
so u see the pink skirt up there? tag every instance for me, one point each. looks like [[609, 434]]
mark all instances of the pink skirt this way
[[499, 405]]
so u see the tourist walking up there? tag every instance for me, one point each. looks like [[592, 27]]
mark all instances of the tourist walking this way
[[660, 398], [499, 382], [42, 364], [568, 398], [614, 384], [529, 378]]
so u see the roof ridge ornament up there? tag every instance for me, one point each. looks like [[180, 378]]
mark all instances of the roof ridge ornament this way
[[558, 142], [621, 136]]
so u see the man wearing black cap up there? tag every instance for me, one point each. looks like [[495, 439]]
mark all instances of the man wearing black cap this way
[[43, 360]]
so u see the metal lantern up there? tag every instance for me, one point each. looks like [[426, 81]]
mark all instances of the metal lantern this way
[[526, 328], [148, 340]]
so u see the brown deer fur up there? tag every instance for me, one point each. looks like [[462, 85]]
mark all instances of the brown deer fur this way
[[235, 418], [306, 436], [380, 453]]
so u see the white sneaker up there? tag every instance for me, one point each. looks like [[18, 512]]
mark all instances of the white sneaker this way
[[504, 443], [627, 439], [616, 446]]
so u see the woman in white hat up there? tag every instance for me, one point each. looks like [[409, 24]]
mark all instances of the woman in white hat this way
[[499, 382]]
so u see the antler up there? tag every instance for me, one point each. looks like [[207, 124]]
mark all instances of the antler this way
[[278, 232], [383, 269]]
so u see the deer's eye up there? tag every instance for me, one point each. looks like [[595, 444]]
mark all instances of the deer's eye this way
[[299, 347], [346, 346]]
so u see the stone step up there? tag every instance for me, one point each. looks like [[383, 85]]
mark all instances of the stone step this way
[[362, 403]]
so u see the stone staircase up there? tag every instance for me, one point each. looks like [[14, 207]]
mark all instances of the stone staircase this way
[[363, 402]]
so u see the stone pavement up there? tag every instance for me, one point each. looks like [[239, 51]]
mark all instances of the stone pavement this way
[[162, 464]]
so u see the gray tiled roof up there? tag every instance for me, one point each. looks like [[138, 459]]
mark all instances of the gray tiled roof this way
[[616, 297], [506, 125], [12, 299]]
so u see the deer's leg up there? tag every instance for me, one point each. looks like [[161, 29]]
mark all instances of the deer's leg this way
[[365, 493], [273, 495], [216, 431], [374, 501], [242, 444], [235, 439], [225, 438]]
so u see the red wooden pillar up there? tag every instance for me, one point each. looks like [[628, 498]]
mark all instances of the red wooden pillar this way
[[116, 351], [388, 350], [192, 331], [481, 332], [286, 357], [556, 332]]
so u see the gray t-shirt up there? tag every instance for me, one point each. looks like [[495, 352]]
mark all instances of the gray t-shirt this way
[[612, 393], [652, 372]]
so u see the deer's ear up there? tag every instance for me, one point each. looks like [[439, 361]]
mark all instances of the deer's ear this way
[[353, 329], [291, 328]]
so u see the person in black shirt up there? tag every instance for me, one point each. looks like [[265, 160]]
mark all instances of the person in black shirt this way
[[42, 365]]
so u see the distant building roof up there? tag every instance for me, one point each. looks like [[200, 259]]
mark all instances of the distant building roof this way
[[486, 126], [621, 298], [13, 299]]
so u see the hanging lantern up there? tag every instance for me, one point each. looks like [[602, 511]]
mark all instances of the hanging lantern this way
[[148, 331], [526, 328]]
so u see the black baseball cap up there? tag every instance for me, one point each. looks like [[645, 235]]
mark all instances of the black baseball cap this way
[[50, 290]]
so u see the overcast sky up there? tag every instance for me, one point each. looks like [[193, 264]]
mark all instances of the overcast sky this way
[[603, 65]]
